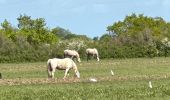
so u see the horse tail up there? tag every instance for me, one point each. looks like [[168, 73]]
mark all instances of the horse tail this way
[[49, 68]]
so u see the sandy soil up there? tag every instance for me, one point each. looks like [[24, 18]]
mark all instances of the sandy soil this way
[[20, 81]]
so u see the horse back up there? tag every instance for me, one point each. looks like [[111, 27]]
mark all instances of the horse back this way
[[71, 63], [91, 51]]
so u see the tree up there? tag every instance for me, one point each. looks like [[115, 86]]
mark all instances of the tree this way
[[60, 32], [25, 22], [7, 29], [96, 38], [35, 30], [147, 28], [105, 37]]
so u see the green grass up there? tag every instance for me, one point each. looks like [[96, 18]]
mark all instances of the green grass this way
[[28, 81]]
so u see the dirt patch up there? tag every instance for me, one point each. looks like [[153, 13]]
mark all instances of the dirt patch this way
[[20, 81]]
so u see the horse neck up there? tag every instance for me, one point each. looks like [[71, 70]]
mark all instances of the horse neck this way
[[76, 54], [97, 54]]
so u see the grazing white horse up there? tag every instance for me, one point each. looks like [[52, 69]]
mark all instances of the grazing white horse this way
[[92, 52], [61, 64], [72, 54]]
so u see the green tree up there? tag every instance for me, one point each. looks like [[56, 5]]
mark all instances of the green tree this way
[[8, 29], [35, 30], [60, 32]]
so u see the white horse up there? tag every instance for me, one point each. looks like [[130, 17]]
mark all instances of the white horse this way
[[61, 64], [92, 52], [72, 53]]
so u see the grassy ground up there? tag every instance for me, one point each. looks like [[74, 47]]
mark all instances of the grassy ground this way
[[28, 81]]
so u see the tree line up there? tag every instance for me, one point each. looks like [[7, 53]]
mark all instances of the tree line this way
[[135, 36]]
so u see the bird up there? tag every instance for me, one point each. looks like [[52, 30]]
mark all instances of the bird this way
[[93, 80], [112, 73], [150, 84]]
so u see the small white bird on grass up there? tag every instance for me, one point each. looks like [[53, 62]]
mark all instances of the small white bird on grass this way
[[93, 80], [112, 73], [150, 84]]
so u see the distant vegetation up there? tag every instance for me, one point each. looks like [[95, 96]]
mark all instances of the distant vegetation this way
[[135, 36]]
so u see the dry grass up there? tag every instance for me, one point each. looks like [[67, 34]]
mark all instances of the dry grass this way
[[20, 81]]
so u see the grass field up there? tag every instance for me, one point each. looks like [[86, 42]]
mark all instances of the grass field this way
[[28, 81]]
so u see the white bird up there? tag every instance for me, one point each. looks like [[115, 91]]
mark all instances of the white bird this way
[[150, 84], [93, 80], [112, 73]]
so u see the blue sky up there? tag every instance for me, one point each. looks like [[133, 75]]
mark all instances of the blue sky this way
[[86, 17]]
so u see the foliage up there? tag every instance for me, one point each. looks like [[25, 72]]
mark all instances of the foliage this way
[[35, 30], [139, 31], [135, 36]]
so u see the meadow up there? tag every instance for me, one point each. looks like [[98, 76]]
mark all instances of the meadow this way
[[28, 81]]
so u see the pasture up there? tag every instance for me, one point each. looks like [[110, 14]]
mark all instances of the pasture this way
[[28, 81]]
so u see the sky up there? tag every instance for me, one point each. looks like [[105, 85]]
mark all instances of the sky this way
[[83, 17]]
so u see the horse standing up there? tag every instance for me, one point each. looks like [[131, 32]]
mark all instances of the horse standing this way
[[61, 64], [72, 54], [92, 52]]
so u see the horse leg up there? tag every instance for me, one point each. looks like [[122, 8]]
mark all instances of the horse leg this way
[[0, 76], [88, 57], [66, 71], [72, 57], [49, 70], [49, 74], [52, 73], [97, 57], [93, 56]]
